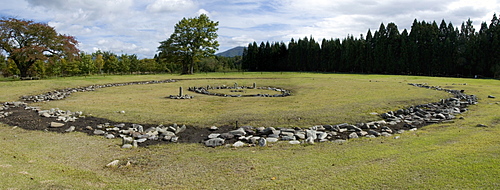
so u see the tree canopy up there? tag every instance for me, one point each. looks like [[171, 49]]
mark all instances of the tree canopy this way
[[192, 39], [27, 42]]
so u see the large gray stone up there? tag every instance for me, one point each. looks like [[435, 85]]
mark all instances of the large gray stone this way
[[214, 142], [288, 138], [311, 134], [213, 135], [321, 135], [372, 132], [271, 139], [300, 135], [238, 132], [263, 142], [353, 135], [226, 136]]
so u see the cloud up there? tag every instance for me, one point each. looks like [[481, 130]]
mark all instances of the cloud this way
[[137, 26], [170, 5]]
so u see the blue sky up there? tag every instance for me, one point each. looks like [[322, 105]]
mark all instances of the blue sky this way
[[137, 26]]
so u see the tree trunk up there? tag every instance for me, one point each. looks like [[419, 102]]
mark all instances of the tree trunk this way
[[23, 67]]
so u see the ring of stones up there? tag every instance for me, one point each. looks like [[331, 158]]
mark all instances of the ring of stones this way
[[206, 91]]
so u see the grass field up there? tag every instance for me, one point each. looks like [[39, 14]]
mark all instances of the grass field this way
[[441, 156]]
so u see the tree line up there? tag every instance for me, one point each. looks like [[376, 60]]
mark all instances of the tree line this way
[[427, 49], [36, 50]]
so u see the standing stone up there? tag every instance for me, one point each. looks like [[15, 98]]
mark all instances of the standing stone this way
[[262, 142], [180, 91], [254, 85], [235, 85]]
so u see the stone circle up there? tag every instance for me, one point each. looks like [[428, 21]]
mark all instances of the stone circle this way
[[407, 119]]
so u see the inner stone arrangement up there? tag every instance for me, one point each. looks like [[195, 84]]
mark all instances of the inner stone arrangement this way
[[240, 89]]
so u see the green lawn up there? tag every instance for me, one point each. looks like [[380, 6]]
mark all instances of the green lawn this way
[[440, 156]]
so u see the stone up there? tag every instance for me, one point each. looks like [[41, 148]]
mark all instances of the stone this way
[[127, 140], [271, 139], [263, 142], [56, 124], [238, 132], [353, 135], [300, 135], [213, 128], [174, 139], [440, 116], [294, 142], [340, 141], [127, 146], [70, 129], [385, 134], [226, 136], [213, 135], [180, 129], [268, 131], [238, 144], [98, 132], [481, 125], [214, 142], [310, 140], [490, 96], [312, 134], [372, 132], [288, 138], [321, 135], [362, 133], [45, 114], [254, 140], [113, 163], [110, 136]]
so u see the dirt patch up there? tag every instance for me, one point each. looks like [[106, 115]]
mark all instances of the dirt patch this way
[[30, 120]]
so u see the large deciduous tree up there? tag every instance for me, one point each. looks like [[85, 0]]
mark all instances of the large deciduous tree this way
[[193, 39], [26, 42]]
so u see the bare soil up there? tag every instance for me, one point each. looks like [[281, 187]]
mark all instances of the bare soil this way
[[30, 120]]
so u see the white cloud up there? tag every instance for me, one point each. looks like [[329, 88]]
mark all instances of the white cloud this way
[[170, 5], [137, 26]]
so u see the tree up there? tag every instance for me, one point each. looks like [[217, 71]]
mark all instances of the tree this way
[[26, 42], [193, 39]]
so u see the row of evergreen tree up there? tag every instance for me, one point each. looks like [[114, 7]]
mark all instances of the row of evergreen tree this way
[[427, 49]]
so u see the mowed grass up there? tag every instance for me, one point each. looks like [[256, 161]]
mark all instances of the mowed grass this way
[[442, 156], [317, 99]]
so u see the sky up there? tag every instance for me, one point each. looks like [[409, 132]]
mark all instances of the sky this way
[[137, 26]]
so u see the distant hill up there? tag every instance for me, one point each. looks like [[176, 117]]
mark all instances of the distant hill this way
[[237, 51]]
